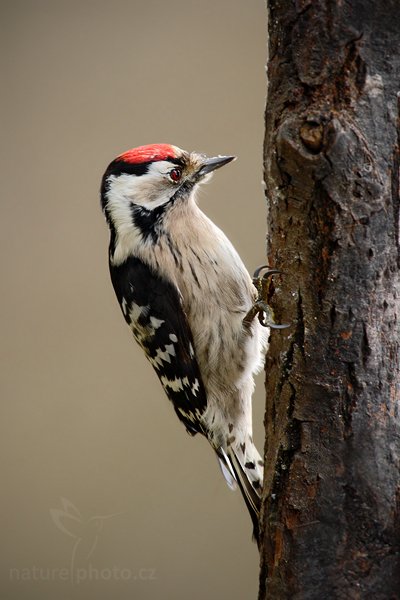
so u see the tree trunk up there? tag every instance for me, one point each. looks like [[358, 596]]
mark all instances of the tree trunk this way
[[330, 522]]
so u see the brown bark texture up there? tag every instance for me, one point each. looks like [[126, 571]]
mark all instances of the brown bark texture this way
[[330, 520]]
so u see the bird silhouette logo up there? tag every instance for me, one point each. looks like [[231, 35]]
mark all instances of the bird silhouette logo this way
[[84, 531]]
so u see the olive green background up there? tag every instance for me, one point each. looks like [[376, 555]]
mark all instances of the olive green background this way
[[103, 494]]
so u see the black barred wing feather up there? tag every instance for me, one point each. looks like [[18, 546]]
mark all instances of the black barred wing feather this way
[[152, 307]]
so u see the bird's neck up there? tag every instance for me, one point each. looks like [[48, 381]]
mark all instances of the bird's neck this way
[[138, 231]]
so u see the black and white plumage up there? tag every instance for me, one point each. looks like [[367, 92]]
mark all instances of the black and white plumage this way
[[184, 292]]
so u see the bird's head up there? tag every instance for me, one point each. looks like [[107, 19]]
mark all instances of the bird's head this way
[[142, 183]]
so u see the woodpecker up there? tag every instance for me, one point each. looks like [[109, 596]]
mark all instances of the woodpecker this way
[[189, 301]]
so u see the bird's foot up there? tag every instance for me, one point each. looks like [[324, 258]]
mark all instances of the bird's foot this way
[[261, 308]]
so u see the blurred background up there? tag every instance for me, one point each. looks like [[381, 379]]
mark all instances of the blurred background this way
[[103, 493]]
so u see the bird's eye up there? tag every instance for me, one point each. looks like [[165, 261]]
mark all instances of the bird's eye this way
[[175, 174]]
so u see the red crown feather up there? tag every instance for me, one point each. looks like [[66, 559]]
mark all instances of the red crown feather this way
[[148, 153]]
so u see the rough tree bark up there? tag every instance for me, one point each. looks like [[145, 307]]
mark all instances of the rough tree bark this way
[[330, 523]]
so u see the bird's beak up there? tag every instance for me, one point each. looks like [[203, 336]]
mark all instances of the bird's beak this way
[[210, 164]]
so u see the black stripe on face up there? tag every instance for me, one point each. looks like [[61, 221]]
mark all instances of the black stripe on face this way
[[148, 221], [119, 167]]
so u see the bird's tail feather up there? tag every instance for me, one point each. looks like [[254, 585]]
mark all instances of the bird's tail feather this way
[[227, 469], [251, 495], [244, 469]]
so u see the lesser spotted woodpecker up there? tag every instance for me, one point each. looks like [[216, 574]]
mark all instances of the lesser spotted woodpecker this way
[[185, 293]]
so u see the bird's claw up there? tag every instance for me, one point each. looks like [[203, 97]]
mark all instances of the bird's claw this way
[[268, 273], [261, 308]]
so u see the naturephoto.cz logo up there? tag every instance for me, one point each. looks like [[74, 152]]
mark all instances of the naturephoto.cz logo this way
[[85, 533]]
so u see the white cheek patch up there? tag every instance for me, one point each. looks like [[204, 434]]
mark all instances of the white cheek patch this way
[[161, 167], [124, 185], [150, 190], [157, 188]]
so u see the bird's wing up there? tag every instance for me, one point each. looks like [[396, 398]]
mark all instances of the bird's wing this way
[[153, 309]]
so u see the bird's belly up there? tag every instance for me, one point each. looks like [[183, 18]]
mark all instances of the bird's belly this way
[[223, 345]]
